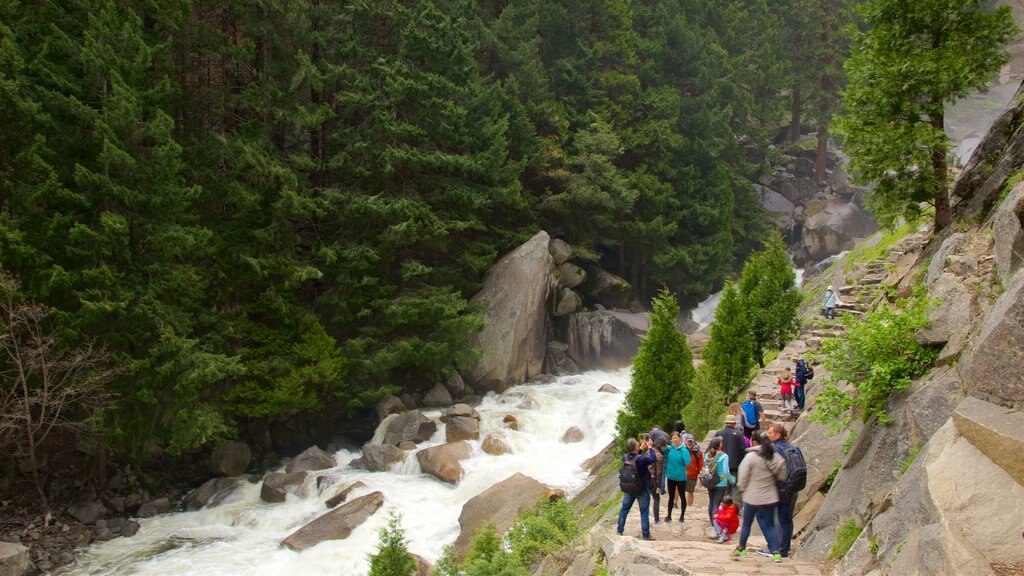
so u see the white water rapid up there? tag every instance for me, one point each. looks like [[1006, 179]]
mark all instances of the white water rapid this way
[[242, 536]]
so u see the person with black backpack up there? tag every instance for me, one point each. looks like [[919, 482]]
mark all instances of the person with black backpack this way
[[635, 483], [796, 480], [800, 391]]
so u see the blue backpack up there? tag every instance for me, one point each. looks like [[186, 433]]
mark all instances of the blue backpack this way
[[750, 411]]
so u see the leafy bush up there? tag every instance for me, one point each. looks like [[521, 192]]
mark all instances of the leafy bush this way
[[490, 558], [845, 537], [392, 557], [549, 527], [877, 356]]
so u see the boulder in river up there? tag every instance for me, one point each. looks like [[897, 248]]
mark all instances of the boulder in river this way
[[444, 462], [500, 505], [311, 459], [378, 457], [337, 524], [277, 485], [412, 426]]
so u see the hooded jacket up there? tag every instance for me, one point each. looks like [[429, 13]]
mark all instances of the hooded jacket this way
[[757, 477]]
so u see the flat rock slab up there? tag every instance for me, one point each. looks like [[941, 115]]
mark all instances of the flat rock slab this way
[[337, 524], [996, 431], [14, 559]]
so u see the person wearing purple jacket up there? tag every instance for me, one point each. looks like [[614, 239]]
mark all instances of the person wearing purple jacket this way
[[648, 457]]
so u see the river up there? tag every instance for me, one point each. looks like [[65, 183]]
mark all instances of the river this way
[[242, 535]]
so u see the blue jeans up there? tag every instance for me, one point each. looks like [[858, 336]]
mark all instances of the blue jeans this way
[[765, 519], [784, 515], [798, 395], [644, 498]]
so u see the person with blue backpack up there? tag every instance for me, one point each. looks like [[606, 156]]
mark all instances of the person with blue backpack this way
[[753, 414]]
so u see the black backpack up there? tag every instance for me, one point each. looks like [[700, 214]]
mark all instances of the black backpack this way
[[629, 478], [810, 372], [796, 468]]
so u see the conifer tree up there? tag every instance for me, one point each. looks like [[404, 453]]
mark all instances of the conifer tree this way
[[729, 354], [769, 295], [392, 557], [662, 372]]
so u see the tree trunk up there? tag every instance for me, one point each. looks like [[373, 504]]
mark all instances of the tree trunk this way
[[819, 160], [794, 114], [943, 211]]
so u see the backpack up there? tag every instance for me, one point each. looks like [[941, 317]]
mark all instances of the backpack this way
[[629, 478], [709, 477], [796, 468], [750, 411], [810, 372]]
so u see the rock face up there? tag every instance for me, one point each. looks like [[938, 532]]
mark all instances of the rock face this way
[[514, 299], [831, 226], [311, 459], [601, 340], [210, 494], [230, 458], [277, 485], [14, 559], [566, 302], [378, 457], [606, 288], [996, 431], [444, 462], [336, 524], [1008, 233], [500, 505], [995, 359], [412, 426]]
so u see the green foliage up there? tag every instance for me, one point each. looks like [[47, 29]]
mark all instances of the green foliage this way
[[769, 295], [836, 466], [543, 531], [705, 409], [909, 460], [873, 546], [488, 557], [876, 356], [729, 353], [392, 557], [848, 532], [446, 564], [850, 441], [662, 373], [893, 127], [879, 249]]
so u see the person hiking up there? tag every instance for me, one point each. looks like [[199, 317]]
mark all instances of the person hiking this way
[[828, 303], [677, 458], [779, 436], [786, 386], [696, 465], [753, 414], [759, 473], [657, 470], [643, 497], [716, 465], [800, 391], [735, 446]]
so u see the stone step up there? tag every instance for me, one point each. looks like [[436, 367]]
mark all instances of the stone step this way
[[995, 430], [872, 280]]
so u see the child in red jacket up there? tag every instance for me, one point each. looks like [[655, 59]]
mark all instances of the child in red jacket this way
[[727, 520], [786, 385]]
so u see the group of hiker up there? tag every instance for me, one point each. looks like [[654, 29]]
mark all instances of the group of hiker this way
[[749, 469]]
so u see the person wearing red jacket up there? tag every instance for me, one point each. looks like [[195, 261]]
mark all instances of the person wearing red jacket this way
[[786, 385], [694, 468], [727, 520]]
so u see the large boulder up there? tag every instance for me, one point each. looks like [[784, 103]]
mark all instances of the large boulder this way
[[444, 462], [951, 319], [514, 299], [606, 288], [996, 431], [779, 208], [495, 446], [462, 428], [230, 458], [459, 411], [560, 251], [500, 505], [557, 361], [456, 385], [87, 512], [412, 426], [570, 275], [342, 495], [311, 459], [14, 559], [437, 397], [277, 485], [210, 494], [390, 405], [995, 358], [601, 340], [337, 524], [1008, 233], [162, 506], [832, 225], [566, 302], [378, 457]]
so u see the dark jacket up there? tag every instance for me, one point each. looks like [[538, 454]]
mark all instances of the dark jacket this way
[[734, 445], [801, 373], [657, 470], [642, 463]]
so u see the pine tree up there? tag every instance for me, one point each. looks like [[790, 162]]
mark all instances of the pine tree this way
[[916, 57], [704, 411], [662, 373], [769, 295], [392, 557], [729, 354]]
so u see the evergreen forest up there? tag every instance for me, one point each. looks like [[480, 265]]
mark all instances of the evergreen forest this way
[[255, 210]]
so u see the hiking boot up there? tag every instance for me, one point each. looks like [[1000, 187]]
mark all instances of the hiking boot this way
[[648, 537], [777, 557]]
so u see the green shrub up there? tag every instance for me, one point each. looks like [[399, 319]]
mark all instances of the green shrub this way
[[392, 557], [845, 537], [546, 529], [705, 411], [877, 356], [490, 558]]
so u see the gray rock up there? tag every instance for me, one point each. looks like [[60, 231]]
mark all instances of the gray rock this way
[[337, 524], [951, 320], [163, 505], [444, 462], [570, 275], [514, 300], [566, 302], [389, 405], [560, 251], [1008, 233], [87, 512], [609, 389], [495, 446], [831, 226], [460, 410], [779, 208], [950, 245], [600, 340], [311, 459], [230, 458], [557, 361], [14, 559], [456, 385], [277, 485], [606, 288], [437, 397], [407, 445], [410, 400], [996, 431], [572, 435], [412, 426], [462, 428], [210, 494], [510, 422], [378, 457], [343, 494], [500, 505], [995, 357]]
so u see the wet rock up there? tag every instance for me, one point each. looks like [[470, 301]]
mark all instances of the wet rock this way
[[444, 462], [337, 524], [390, 405], [87, 512], [572, 435], [462, 428], [510, 422], [557, 361], [277, 485], [412, 426], [460, 410], [311, 459], [343, 494], [14, 559], [495, 446], [378, 457], [608, 388], [500, 505], [218, 491], [437, 397], [230, 458], [407, 445], [601, 340]]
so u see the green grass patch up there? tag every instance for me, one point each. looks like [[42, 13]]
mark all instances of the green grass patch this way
[[851, 439], [909, 460], [845, 537], [879, 250]]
